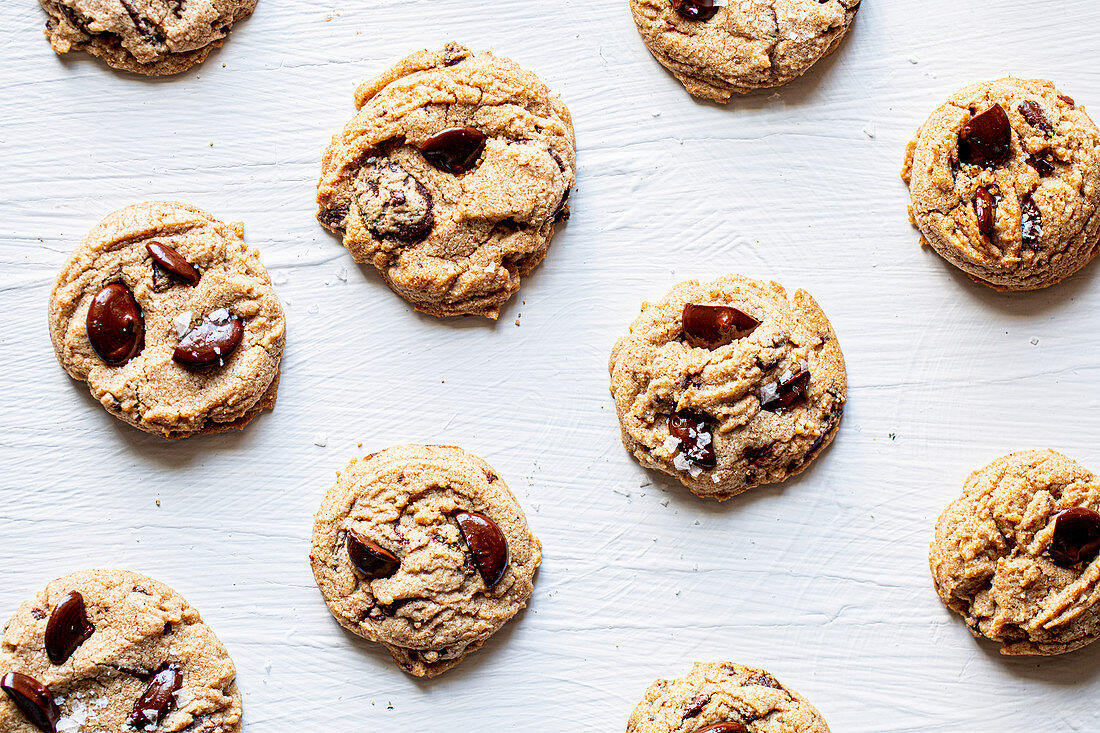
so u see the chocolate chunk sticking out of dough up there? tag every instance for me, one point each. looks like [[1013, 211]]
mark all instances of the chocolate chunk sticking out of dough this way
[[454, 150], [778, 396], [728, 726], [695, 436], [369, 558], [701, 10], [393, 203], [1076, 537], [173, 262], [115, 325], [986, 139], [1036, 117], [711, 326], [33, 699], [67, 628], [985, 207], [487, 544], [1043, 166], [333, 218], [1031, 222], [212, 341], [157, 700]]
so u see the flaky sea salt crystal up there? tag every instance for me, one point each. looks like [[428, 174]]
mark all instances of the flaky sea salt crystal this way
[[768, 392], [683, 464], [671, 443], [221, 315], [182, 322]]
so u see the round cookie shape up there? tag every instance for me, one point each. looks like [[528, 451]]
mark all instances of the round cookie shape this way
[[143, 660], [999, 557], [723, 697], [746, 390], [450, 179], [1005, 183], [171, 320], [720, 49], [423, 549], [152, 37]]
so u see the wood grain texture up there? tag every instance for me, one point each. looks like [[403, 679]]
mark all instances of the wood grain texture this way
[[823, 581]]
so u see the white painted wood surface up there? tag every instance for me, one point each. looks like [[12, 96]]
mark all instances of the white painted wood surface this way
[[823, 581]]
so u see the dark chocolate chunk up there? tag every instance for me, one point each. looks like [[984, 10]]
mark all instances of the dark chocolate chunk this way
[[212, 341], [115, 325], [695, 436], [1042, 166], [1031, 222], [67, 628], [487, 544], [368, 557], [33, 699], [728, 726], [173, 262], [711, 326], [393, 203], [159, 697], [333, 217], [1076, 537], [455, 150], [777, 396], [985, 207], [696, 9], [1036, 117], [986, 139]]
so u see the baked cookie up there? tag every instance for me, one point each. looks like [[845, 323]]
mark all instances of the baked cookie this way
[[450, 178], [153, 37], [171, 320], [423, 549], [1005, 183], [722, 697], [728, 384], [113, 651], [718, 49], [1015, 555]]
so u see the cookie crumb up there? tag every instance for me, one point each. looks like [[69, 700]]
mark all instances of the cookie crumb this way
[[321, 440]]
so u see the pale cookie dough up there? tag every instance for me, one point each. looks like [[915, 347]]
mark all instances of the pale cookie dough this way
[[992, 559], [153, 390], [1020, 210], [748, 700], [451, 243], [432, 606], [137, 632], [731, 390], [735, 47], [153, 37]]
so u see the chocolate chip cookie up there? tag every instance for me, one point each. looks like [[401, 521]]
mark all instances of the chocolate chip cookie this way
[[1015, 555], [423, 549], [1005, 183], [728, 384], [722, 697], [114, 651], [171, 320], [153, 37], [450, 179], [718, 49]]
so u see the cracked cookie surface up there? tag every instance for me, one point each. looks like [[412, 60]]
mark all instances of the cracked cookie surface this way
[[148, 385], [153, 37], [1019, 209], [723, 418], [743, 44], [452, 221], [723, 692], [427, 596], [140, 628], [992, 560]]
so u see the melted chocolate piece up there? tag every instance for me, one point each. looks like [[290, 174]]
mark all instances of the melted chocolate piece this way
[[1036, 117], [695, 436], [454, 150], [369, 558], [701, 10], [1031, 222], [115, 325], [985, 207], [159, 697], [212, 341], [333, 218], [173, 262], [728, 726], [67, 628], [986, 139], [786, 392], [394, 204], [1076, 537], [1042, 166], [487, 544], [711, 326], [33, 699]]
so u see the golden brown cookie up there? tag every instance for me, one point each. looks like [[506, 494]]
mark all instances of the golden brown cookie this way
[[450, 179], [1005, 183], [728, 384]]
